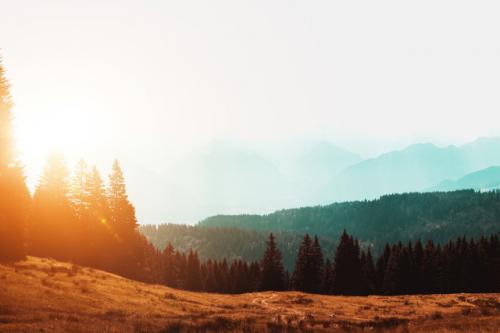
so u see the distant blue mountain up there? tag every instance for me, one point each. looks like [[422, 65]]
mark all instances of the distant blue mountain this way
[[415, 168], [485, 179]]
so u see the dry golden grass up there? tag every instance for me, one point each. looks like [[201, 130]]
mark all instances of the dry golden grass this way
[[43, 295]]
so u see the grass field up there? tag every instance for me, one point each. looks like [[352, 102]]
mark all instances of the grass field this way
[[44, 295]]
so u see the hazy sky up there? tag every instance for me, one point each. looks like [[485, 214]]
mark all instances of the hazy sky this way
[[143, 79]]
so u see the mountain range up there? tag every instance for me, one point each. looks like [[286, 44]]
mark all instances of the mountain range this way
[[226, 177], [419, 167]]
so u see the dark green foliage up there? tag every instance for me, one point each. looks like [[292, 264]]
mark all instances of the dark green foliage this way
[[440, 216]]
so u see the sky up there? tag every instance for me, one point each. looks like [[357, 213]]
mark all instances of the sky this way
[[147, 81]]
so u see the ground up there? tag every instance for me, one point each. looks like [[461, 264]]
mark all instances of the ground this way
[[44, 295]]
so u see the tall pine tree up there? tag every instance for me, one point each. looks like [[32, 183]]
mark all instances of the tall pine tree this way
[[308, 273], [348, 279], [122, 212], [273, 273], [51, 224]]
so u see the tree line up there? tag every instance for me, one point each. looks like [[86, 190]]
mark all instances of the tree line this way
[[230, 243], [460, 265]]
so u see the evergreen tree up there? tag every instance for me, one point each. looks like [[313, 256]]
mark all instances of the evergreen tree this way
[[328, 274], [222, 276], [79, 191], [398, 272], [122, 213], [308, 273], [130, 252], [273, 273], [14, 195], [348, 279], [416, 274], [368, 271], [430, 269], [301, 273], [170, 276], [210, 278], [193, 273], [317, 266], [91, 205], [381, 267], [51, 224], [97, 200]]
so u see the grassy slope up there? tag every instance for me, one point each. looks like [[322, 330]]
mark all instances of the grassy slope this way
[[43, 295]]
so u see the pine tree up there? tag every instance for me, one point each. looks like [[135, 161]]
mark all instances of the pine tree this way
[[308, 273], [416, 274], [369, 273], [398, 272], [300, 277], [14, 195], [98, 203], [317, 266], [381, 267], [79, 191], [100, 241], [348, 278], [170, 269], [193, 273], [130, 254], [328, 278], [273, 273], [51, 224], [122, 213], [210, 278]]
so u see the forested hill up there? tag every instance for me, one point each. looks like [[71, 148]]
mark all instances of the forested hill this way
[[399, 217]]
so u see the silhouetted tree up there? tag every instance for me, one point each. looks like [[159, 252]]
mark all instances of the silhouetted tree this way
[[300, 277], [273, 273], [369, 272], [348, 278], [169, 266], [193, 274], [308, 273], [328, 274], [398, 272]]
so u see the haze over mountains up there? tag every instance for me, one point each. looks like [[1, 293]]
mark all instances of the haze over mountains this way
[[233, 178]]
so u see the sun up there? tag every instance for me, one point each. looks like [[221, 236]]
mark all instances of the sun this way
[[73, 131]]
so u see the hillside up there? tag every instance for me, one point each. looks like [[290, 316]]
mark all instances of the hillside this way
[[439, 216], [44, 295]]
